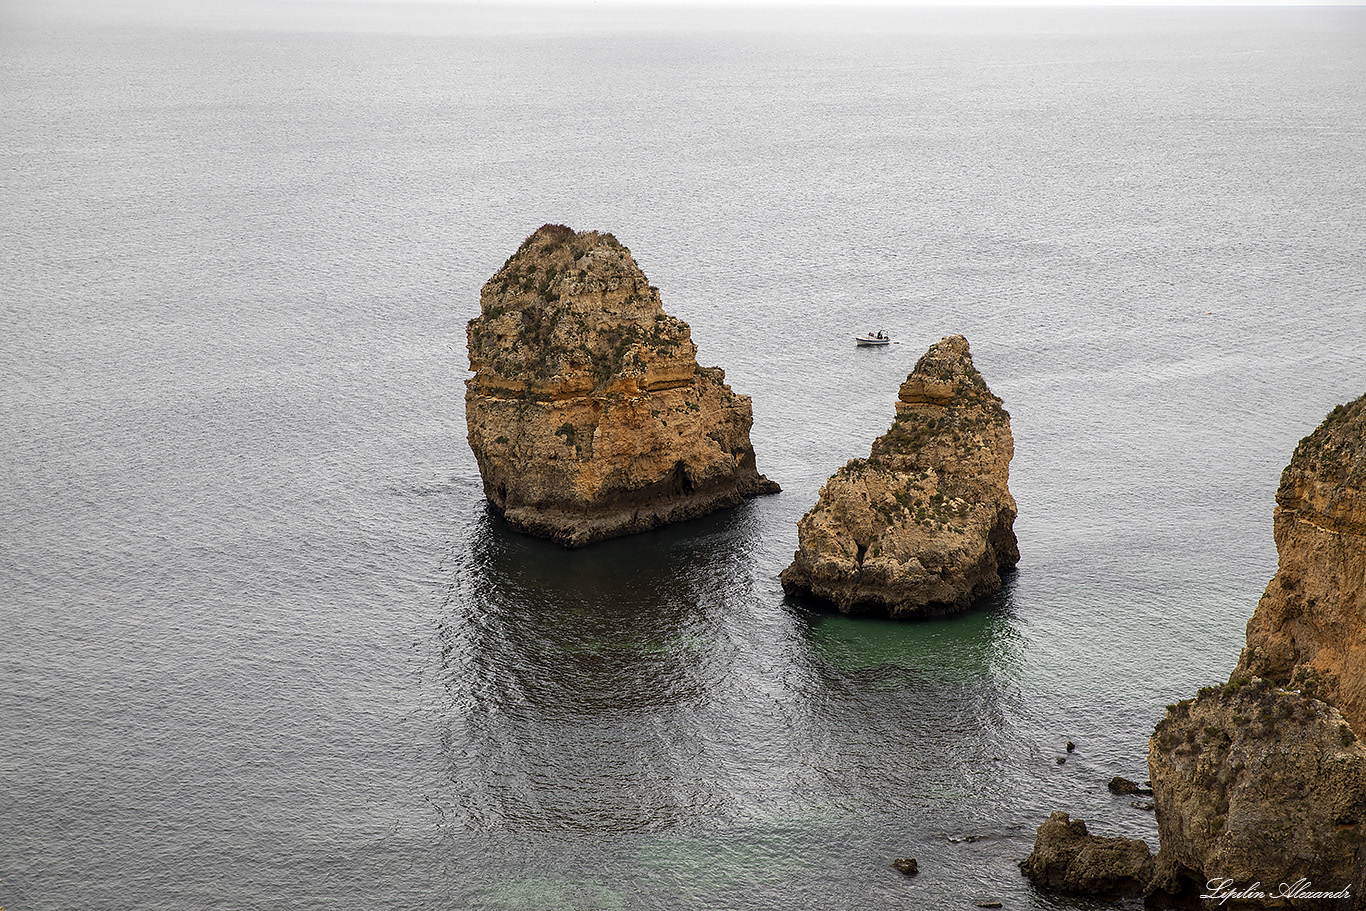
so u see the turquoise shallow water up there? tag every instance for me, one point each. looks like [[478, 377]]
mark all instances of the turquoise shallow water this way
[[265, 645]]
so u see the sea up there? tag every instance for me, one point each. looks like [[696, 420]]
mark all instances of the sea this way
[[263, 643]]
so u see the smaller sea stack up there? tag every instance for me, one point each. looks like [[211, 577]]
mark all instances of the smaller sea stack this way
[[924, 525], [587, 412]]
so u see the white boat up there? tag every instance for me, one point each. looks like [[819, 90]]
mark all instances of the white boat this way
[[872, 340]]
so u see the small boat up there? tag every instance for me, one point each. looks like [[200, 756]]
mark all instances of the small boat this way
[[872, 340]]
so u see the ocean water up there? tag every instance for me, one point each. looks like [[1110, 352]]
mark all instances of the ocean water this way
[[262, 643]]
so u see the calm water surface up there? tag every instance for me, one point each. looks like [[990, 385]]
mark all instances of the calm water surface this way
[[264, 646]]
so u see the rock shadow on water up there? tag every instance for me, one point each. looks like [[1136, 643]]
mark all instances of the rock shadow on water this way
[[913, 714], [985, 637], [572, 679]]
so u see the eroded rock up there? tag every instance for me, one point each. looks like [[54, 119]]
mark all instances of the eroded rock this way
[[1263, 780], [1260, 785], [587, 412], [1256, 783], [924, 525], [1068, 858], [1312, 618]]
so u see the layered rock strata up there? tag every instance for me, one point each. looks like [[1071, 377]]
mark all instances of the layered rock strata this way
[[924, 524], [1313, 614], [1264, 779], [1260, 784], [587, 412]]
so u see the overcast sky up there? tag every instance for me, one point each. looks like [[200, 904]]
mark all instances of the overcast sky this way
[[532, 16]]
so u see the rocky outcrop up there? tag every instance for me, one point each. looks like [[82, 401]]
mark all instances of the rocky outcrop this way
[[1122, 786], [1258, 784], [924, 524], [587, 412], [1263, 780], [1313, 615], [1068, 858]]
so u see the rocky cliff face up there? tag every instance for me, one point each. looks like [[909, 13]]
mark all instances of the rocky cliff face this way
[[1313, 615], [1258, 784], [1264, 779], [924, 524], [587, 413]]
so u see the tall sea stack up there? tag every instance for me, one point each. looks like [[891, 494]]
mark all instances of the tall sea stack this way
[[587, 412], [924, 525]]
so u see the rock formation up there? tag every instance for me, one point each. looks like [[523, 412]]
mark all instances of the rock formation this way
[[1068, 858], [1264, 779], [924, 524], [1260, 784], [587, 412], [1255, 783], [1313, 615]]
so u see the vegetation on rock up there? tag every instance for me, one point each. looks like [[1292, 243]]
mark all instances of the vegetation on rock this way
[[924, 524], [1262, 781], [587, 412]]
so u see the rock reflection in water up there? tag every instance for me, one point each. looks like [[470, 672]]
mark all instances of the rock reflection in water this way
[[636, 698], [913, 714], [574, 678]]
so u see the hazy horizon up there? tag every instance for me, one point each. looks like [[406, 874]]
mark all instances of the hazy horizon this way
[[529, 16]]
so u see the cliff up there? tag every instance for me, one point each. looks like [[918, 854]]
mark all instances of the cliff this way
[[1313, 614], [587, 412], [924, 524], [1264, 779], [1258, 784]]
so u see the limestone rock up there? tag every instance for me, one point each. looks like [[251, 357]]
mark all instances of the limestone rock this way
[[924, 524], [1312, 618], [1258, 784], [1068, 858], [587, 412], [1264, 780]]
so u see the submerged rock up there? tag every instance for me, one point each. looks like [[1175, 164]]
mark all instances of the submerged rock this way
[[1120, 785], [1068, 858], [924, 525], [587, 412]]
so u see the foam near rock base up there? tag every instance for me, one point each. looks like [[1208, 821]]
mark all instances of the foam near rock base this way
[[588, 414]]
